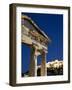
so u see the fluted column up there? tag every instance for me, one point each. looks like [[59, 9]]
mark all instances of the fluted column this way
[[33, 63], [43, 65]]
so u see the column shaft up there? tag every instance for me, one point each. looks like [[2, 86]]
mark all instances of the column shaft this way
[[33, 64], [43, 65]]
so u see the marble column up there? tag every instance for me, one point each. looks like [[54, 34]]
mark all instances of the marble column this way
[[33, 63], [43, 65]]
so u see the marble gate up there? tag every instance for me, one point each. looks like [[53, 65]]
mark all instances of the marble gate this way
[[38, 41]]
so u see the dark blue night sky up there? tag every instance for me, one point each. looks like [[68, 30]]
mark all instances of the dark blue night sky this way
[[52, 25]]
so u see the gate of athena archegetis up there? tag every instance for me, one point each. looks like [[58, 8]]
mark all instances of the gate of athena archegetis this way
[[38, 41]]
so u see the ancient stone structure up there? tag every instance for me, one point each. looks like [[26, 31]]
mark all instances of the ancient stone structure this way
[[38, 41]]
